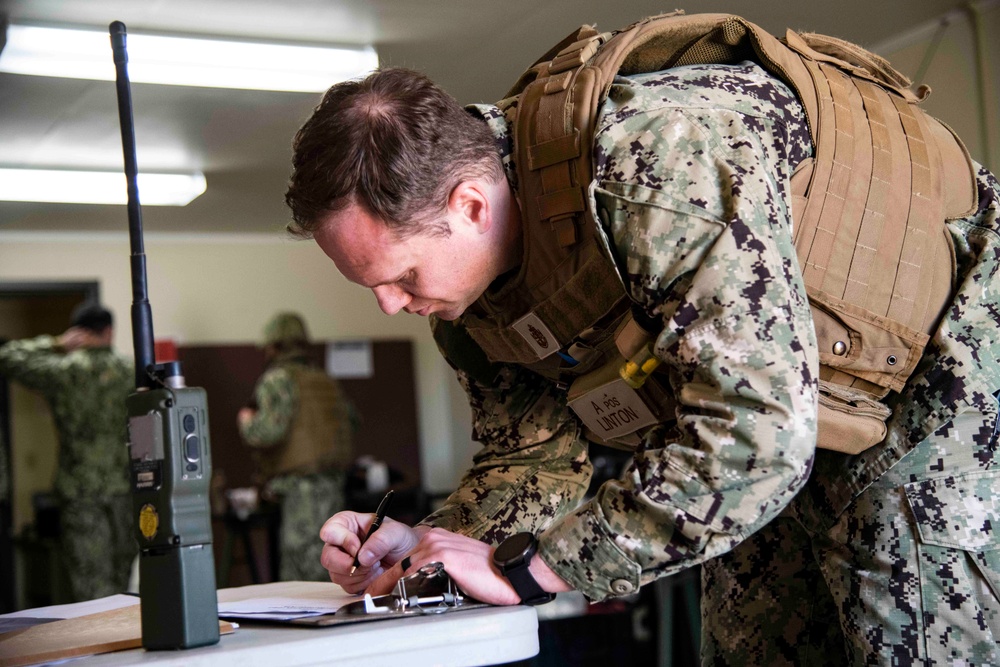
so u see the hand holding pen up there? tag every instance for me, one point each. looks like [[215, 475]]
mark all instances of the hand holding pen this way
[[383, 508]]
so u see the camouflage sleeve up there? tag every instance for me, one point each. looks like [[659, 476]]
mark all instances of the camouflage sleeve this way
[[533, 466], [696, 210], [277, 396], [37, 363]]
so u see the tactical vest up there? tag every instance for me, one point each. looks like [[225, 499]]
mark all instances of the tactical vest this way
[[320, 434], [871, 204]]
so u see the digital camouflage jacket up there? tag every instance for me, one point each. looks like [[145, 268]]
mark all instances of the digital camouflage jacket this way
[[692, 167]]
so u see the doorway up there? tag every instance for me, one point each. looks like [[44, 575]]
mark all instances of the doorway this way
[[28, 443]]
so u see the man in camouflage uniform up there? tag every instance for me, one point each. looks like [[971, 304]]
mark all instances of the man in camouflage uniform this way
[[300, 427], [86, 384], [810, 557]]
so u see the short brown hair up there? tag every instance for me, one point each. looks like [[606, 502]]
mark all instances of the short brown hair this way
[[394, 143]]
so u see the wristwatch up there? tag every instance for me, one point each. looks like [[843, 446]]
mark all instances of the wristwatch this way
[[512, 558]]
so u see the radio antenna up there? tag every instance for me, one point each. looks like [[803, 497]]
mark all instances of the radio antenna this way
[[142, 315]]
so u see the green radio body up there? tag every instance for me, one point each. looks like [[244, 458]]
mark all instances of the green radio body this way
[[171, 469]]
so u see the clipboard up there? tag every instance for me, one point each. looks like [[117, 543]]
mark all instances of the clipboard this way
[[428, 591]]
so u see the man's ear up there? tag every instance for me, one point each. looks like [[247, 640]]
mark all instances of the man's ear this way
[[470, 203]]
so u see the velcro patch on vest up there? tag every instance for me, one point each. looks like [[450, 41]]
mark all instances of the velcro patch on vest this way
[[533, 330], [613, 410]]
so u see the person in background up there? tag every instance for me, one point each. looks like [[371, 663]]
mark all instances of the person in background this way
[[300, 427], [85, 384]]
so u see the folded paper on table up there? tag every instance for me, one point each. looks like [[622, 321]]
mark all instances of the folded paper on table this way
[[283, 608]]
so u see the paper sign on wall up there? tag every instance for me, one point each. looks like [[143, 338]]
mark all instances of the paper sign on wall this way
[[349, 359]]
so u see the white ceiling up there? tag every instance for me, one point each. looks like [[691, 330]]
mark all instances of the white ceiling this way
[[241, 139]]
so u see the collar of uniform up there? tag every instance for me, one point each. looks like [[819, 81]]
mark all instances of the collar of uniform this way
[[499, 118]]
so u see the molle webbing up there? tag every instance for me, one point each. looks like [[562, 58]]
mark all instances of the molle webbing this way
[[551, 146], [872, 206], [870, 232]]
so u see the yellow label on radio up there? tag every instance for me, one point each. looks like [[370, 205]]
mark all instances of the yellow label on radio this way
[[149, 521]]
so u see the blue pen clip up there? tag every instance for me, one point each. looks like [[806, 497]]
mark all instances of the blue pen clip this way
[[568, 359]]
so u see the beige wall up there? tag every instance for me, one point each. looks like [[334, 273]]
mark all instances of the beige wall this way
[[221, 288]]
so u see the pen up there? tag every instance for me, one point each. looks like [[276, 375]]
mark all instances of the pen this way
[[383, 507]]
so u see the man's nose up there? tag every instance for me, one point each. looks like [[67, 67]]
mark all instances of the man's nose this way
[[391, 299]]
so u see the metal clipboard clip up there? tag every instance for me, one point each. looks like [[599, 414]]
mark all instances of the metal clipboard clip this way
[[429, 590]]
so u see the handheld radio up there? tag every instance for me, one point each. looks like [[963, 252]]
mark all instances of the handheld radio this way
[[171, 461]]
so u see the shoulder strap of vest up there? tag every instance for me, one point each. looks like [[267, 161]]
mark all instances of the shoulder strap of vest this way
[[559, 98], [582, 33]]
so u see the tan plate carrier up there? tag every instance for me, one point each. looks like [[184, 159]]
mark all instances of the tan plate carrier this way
[[869, 212]]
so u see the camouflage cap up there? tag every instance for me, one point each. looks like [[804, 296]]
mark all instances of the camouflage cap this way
[[285, 329]]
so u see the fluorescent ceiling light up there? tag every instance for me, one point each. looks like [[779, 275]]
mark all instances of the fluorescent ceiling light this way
[[97, 187], [182, 61]]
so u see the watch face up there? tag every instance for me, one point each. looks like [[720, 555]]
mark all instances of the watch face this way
[[514, 547]]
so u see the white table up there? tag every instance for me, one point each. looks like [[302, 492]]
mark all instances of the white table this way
[[488, 636]]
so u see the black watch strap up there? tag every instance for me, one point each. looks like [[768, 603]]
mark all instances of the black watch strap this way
[[526, 587], [513, 558]]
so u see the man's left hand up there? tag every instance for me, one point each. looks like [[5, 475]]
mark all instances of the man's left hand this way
[[75, 338], [467, 561]]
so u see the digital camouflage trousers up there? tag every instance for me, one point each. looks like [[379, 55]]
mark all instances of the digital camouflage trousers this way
[[307, 501], [98, 545]]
